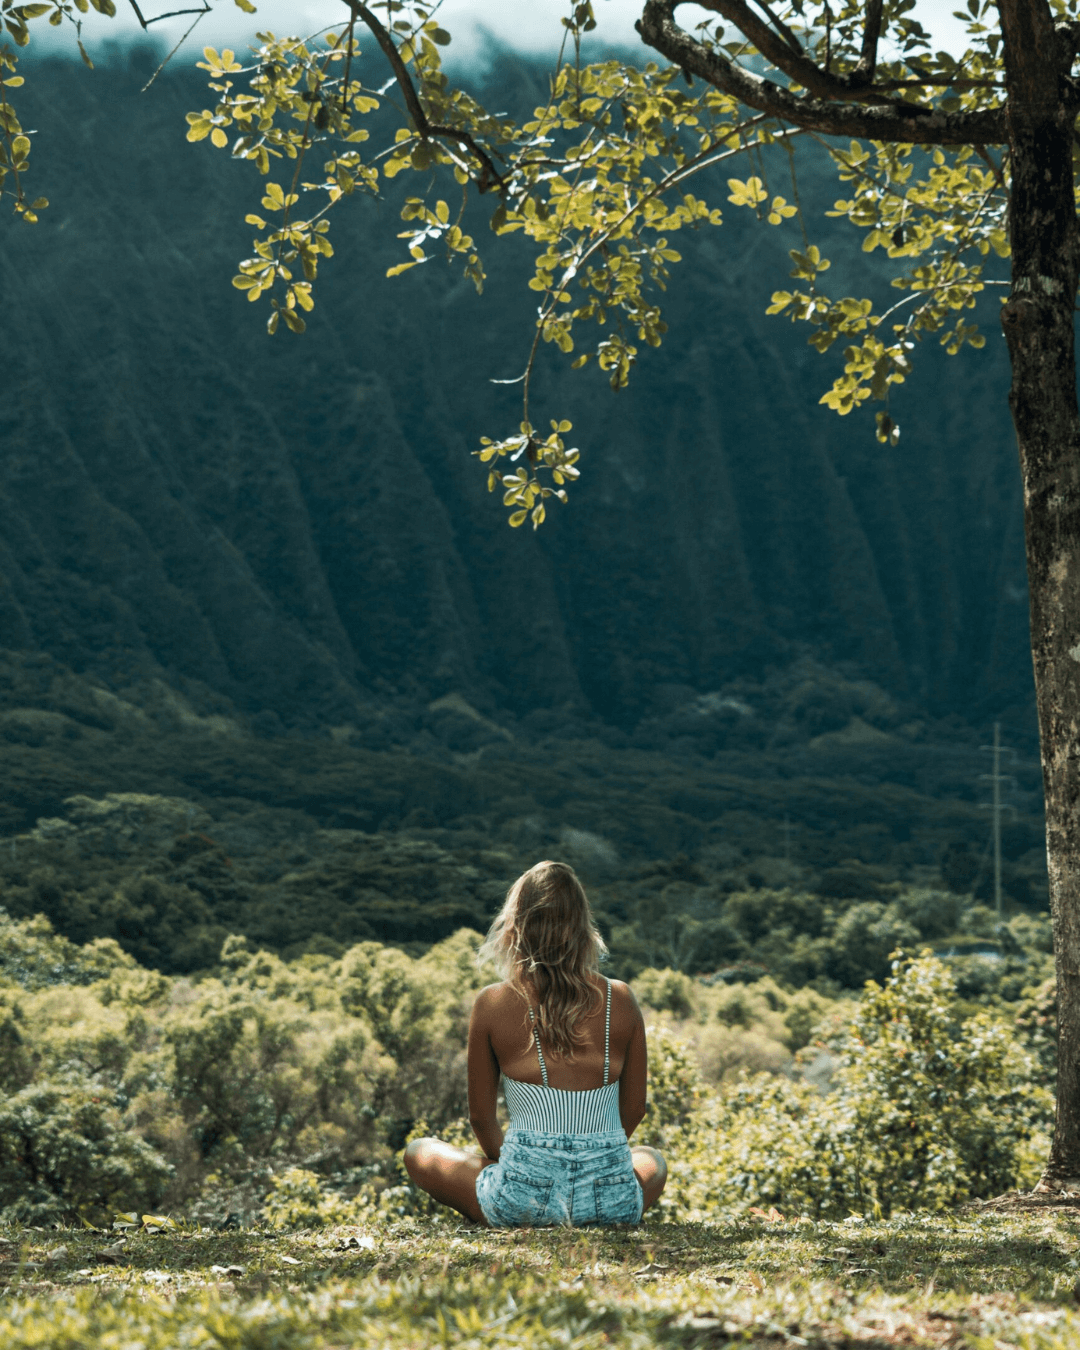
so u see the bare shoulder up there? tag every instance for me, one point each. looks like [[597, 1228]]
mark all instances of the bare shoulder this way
[[494, 1000], [623, 1003], [621, 990]]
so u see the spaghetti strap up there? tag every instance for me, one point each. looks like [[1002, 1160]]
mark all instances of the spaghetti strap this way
[[607, 1033], [539, 1052]]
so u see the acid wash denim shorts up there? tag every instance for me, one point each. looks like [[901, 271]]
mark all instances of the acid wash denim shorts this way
[[575, 1179]]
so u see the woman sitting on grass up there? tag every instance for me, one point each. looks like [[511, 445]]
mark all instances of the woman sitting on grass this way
[[570, 1046]]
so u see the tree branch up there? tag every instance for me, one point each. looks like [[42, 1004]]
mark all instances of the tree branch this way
[[910, 123], [427, 130], [781, 27], [864, 71], [801, 68], [794, 64]]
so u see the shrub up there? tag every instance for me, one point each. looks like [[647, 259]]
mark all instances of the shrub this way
[[298, 1199], [926, 1111], [64, 1151]]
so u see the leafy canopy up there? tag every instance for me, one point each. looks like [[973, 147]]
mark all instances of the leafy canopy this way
[[603, 173]]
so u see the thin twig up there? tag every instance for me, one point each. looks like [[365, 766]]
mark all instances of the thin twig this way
[[782, 28], [426, 129], [348, 68], [170, 56], [987, 158]]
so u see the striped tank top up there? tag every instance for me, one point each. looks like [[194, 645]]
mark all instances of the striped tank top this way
[[551, 1110]]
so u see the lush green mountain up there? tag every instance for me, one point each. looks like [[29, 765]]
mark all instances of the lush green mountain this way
[[295, 524]]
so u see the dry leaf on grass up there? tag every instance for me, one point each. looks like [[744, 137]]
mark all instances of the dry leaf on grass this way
[[653, 1268]]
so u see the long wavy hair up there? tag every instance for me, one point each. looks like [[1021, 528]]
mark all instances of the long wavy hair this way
[[545, 933]]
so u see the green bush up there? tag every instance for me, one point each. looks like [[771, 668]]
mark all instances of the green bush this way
[[64, 1152], [299, 1199], [926, 1109], [122, 1088]]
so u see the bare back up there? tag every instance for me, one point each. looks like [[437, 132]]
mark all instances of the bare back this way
[[500, 1040]]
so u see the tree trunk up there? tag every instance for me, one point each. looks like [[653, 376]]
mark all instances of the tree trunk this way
[[1038, 325]]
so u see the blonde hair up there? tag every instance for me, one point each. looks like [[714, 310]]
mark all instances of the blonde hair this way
[[545, 931]]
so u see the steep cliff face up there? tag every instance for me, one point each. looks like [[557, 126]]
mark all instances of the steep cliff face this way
[[297, 527]]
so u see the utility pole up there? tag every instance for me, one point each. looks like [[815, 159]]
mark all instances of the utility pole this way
[[996, 778]]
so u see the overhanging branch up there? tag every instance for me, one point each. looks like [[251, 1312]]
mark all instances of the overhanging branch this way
[[488, 172], [802, 69], [832, 116]]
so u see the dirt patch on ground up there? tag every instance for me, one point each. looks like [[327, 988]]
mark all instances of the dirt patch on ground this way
[[1024, 1202]]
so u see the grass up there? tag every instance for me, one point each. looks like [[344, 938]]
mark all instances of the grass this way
[[984, 1278]]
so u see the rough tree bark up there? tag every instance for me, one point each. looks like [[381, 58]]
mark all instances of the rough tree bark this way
[[1038, 126], [1038, 325]]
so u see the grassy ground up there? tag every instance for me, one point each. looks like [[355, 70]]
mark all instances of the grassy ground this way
[[987, 1279]]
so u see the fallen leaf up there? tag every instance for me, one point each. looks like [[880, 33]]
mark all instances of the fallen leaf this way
[[756, 1281], [290, 1261], [227, 1270], [653, 1268], [57, 1254]]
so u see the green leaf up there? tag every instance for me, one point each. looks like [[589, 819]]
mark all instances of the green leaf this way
[[518, 518], [402, 267], [750, 193]]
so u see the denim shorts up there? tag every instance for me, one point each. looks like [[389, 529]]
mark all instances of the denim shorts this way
[[542, 1179]]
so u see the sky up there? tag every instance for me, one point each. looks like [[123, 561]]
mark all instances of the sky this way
[[530, 26]]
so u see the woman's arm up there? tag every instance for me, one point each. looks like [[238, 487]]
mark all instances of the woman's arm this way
[[483, 1080], [635, 1072]]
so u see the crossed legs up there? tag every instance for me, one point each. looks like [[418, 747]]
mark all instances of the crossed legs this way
[[448, 1174]]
